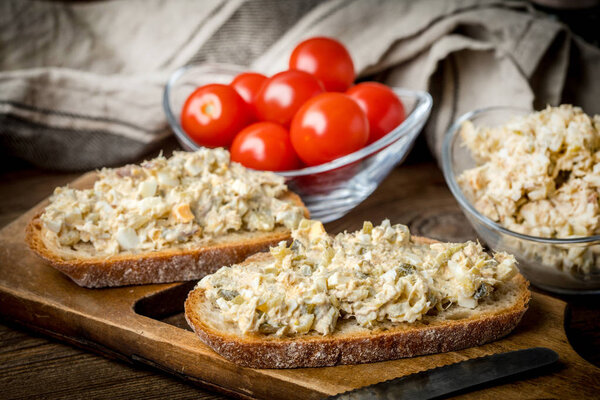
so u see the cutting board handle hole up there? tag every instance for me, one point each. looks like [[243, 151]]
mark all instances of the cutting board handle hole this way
[[166, 306]]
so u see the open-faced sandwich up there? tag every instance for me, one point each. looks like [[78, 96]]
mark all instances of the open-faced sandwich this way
[[168, 219], [372, 295]]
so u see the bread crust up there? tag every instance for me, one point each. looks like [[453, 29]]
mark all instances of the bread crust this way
[[427, 336], [169, 265]]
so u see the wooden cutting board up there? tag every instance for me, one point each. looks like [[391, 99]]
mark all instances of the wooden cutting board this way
[[145, 324]]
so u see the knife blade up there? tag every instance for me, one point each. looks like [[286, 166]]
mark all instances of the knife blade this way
[[451, 378]]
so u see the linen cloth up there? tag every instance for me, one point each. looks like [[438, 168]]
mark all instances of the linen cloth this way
[[81, 84]]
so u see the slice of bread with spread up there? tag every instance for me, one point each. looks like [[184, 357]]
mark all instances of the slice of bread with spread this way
[[374, 295], [168, 219]]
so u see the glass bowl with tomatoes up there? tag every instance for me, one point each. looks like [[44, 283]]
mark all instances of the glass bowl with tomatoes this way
[[330, 189]]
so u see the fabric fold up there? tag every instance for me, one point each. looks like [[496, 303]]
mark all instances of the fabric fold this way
[[82, 87]]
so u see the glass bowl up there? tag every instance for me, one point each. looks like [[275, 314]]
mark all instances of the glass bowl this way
[[566, 266], [329, 190]]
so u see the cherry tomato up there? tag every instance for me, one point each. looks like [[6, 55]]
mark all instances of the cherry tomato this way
[[213, 114], [328, 126], [328, 60], [247, 85], [264, 146], [283, 94], [383, 108]]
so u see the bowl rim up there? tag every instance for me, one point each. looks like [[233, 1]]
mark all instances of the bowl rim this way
[[421, 111], [465, 204]]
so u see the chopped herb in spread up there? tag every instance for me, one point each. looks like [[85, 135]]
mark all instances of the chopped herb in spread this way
[[373, 275], [181, 200]]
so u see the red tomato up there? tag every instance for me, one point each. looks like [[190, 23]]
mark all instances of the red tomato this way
[[383, 108], [328, 126], [247, 85], [213, 114], [283, 94], [328, 60], [265, 146]]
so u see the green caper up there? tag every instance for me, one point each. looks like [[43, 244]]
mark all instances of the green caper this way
[[267, 328], [362, 275], [228, 294], [481, 291], [406, 269], [296, 245]]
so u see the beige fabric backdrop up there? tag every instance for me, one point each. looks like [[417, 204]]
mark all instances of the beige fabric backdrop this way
[[81, 84]]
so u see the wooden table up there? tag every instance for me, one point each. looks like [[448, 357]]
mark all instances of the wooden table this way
[[33, 366]]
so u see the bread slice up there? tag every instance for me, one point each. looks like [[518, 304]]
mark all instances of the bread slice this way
[[168, 265], [453, 329]]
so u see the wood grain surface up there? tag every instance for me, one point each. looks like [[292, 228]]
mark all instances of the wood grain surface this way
[[33, 366]]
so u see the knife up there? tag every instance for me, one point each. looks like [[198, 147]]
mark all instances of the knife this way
[[451, 378]]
